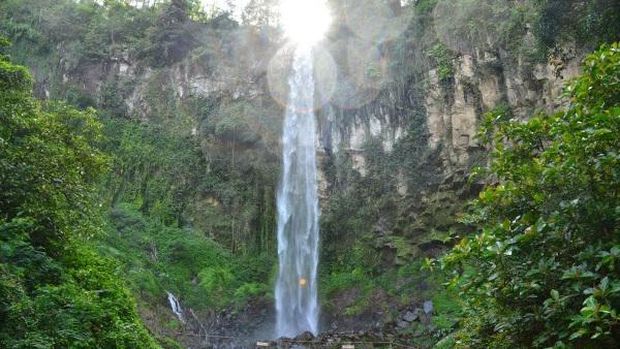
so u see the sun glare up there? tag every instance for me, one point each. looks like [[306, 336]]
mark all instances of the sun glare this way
[[305, 22]]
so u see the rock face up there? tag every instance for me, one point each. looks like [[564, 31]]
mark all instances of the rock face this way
[[453, 109], [448, 111]]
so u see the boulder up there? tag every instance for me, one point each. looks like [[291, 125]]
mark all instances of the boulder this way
[[305, 337], [428, 307], [410, 316]]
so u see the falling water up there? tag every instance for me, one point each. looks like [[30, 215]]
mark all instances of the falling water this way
[[175, 306], [298, 207]]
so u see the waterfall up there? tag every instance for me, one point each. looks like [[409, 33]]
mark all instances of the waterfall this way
[[298, 207], [175, 306]]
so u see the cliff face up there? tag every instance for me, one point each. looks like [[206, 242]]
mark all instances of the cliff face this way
[[395, 169], [399, 110], [235, 67], [452, 108], [400, 162]]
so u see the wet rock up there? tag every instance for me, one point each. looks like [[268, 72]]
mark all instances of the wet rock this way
[[410, 316], [284, 342], [381, 227], [402, 324], [305, 337], [428, 307]]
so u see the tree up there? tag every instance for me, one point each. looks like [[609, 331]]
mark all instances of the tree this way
[[260, 13], [544, 271], [172, 36], [55, 292]]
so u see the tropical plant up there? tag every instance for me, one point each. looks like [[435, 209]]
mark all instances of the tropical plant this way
[[544, 270], [55, 291]]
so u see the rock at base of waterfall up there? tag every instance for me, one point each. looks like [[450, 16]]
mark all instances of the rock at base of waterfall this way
[[402, 324], [410, 316], [428, 307], [306, 336]]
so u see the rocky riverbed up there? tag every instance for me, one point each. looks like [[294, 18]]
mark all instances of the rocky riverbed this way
[[251, 328]]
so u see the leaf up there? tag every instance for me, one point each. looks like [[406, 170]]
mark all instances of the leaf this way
[[604, 283], [578, 334]]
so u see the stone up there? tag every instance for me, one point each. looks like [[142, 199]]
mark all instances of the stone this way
[[428, 307], [410, 316], [305, 337], [402, 324]]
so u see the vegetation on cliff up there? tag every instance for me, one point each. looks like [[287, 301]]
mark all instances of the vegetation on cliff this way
[[55, 291], [543, 272]]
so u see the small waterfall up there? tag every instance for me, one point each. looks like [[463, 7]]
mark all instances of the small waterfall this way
[[298, 207], [175, 305]]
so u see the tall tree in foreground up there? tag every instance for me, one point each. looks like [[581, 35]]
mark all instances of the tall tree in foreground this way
[[544, 271], [55, 292]]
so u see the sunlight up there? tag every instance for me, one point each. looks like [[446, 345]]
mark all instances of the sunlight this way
[[304, 22]]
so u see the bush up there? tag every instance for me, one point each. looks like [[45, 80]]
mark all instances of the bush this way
[[202, 273], [546, 262], [55, 292]]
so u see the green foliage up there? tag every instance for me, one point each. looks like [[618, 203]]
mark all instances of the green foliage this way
[[546, 260], [171, 173], [55, 292], [48, 156], [447, 308], [587, 22], [74, 303], [81, 34], [444, 59], [154, 166], [172, 36], [250, 290], [157, 258], [531, 30], [425, 7], [236, 122], [467, 24]]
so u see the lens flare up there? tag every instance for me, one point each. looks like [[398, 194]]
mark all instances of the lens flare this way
[[279, 71], [305, 22]]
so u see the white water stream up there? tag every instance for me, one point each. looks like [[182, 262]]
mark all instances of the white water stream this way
[[175, 306], [298, 207]]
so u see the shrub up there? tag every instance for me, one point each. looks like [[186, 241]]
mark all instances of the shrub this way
[[546, 268]]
